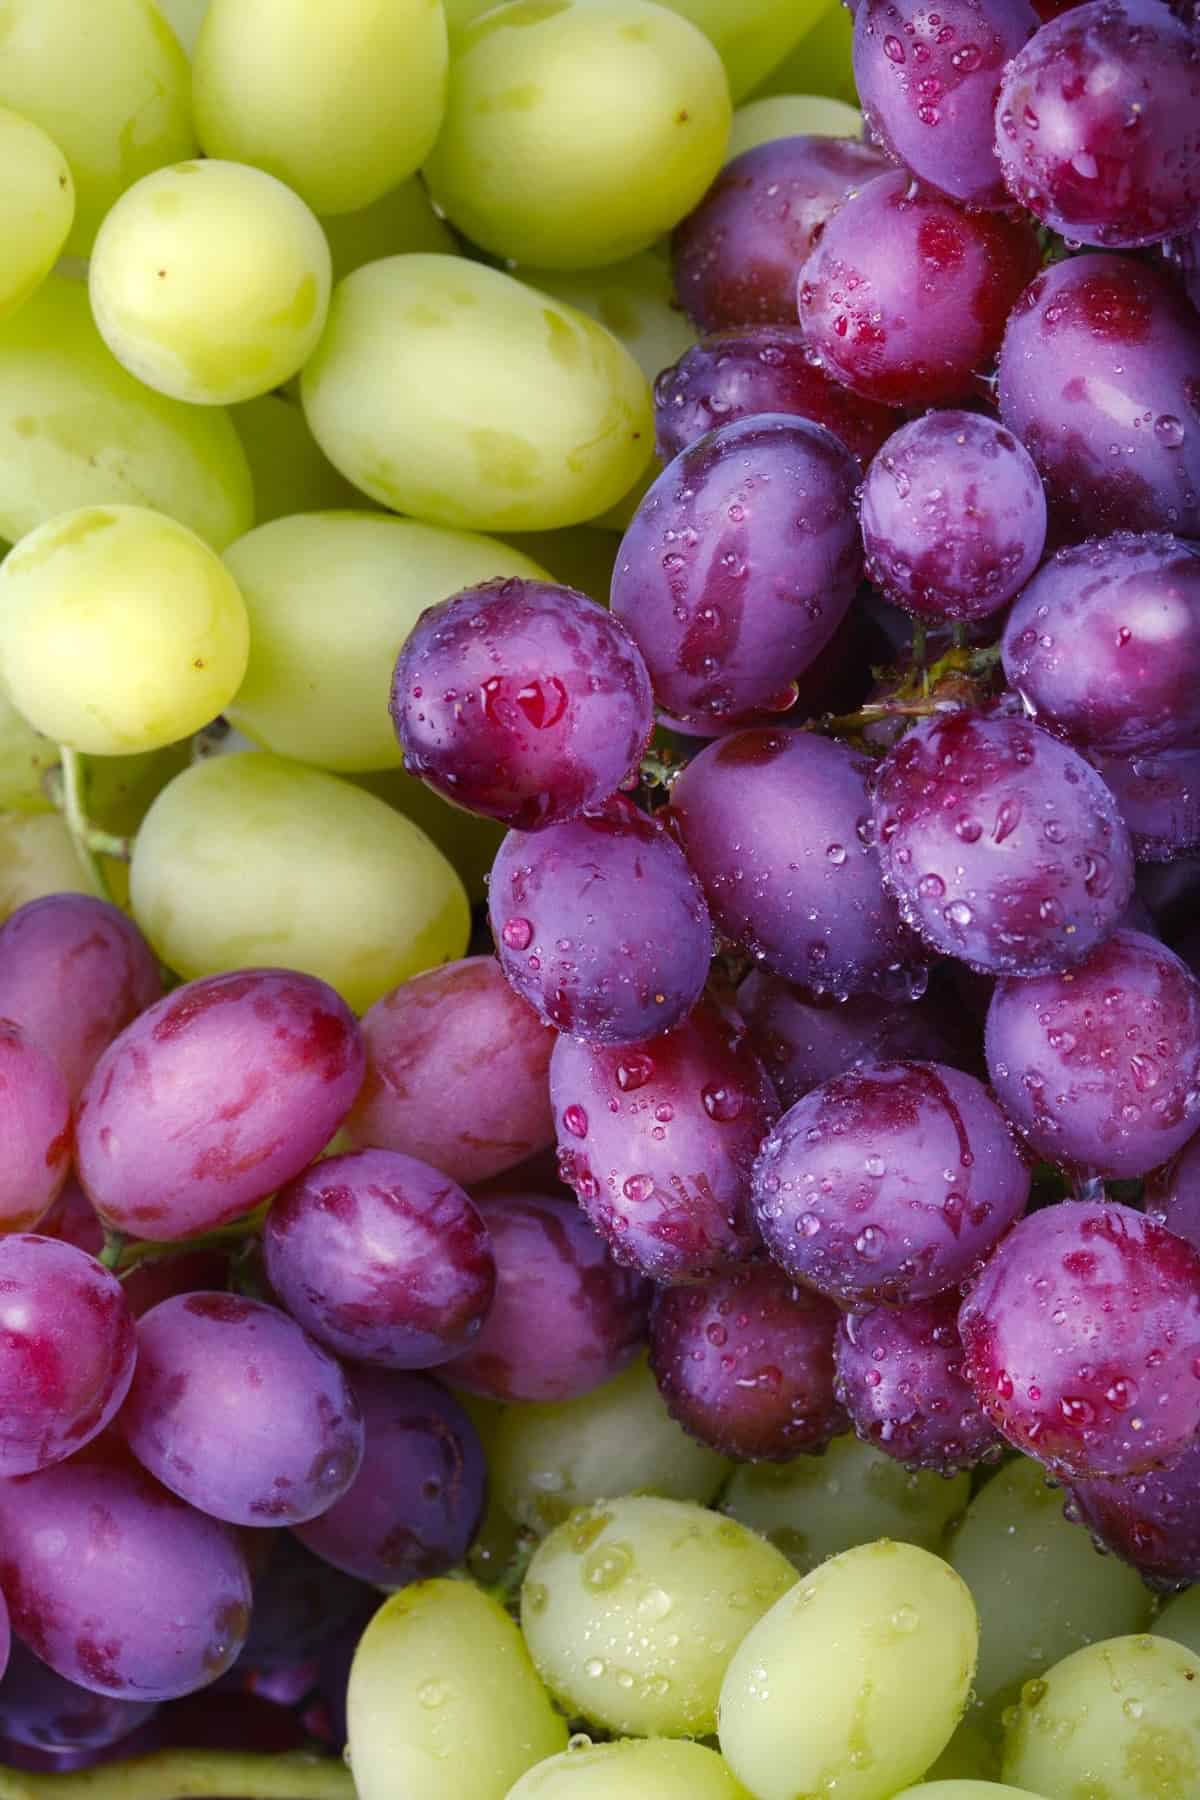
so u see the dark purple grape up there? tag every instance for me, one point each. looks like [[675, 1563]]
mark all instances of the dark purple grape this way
[[739, 564], [1098, 124], [1184, 253], [900, 1378], [777, 826], [35, 1129], [1001, 845], [906, 295], [745, 1364], [600, 925], [521, 700], [1158, 796], [737, 256], [928, 77], [381, 1258], [658, 1141], [953, 516], [159, 1278], [1172, 1195], [890, 1183], [1082, 1339], [417, 1501], [44, 1711], [302, 1605], [1100, 380], [1151, 1520]]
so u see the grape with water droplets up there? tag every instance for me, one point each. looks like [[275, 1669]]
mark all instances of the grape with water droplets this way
[[1158, 796], [1171, 1195], [1151, 1521]]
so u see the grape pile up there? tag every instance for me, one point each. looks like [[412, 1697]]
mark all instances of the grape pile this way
[[599, 854]]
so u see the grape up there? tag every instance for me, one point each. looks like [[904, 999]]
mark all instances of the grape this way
[[521, 700], [889, 1183], [905, 294], [1095, 124], [302, 1605], [1177, 1619], [929, 80], [820, 62], [953, 516], [565, 1318], [44, 1711], [600, 925], [250, 857], [1082, 1339], [1099, 1069], [555, 421], [737, 257], [1002, 846], [417, 1500], [745, 1363], [734, 375], [776, 826], [1151, 1521], [628, 1770], [633, 1608], [858, 1676], [289, 473], [781, 114], [658, 1140], [739, 564], [400, 221], [1098, 376], [1158, 796], [443, 1701], [212, 1098], [25, 758], [752, 36], [35, 1128], [1172, 1194], [380, 1258], [37, 205], [37, 857], [963, 1788], [635, 300]]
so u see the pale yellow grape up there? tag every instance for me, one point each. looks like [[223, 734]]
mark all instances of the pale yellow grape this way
[[634, 300], [77, 430], [332, 596], [185, 18], [965, 1790], [546, 1460], [817, 1505], [443, 1702], [37, 204], [400, 222], [751, 36], [576, 134], [1179, 1619], [120, 630], [820, 62], [452, 392], [289, 472], [340, 101], [632, 1769], [467, 841], [1119, 1720], [107, 80], [854, 1681], [251, 859], [791, 115], [25, 756], [37, 857], [633, 1608]]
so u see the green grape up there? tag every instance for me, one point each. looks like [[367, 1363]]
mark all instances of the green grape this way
[[107, 80], [965, 1790], [250, 859], [751, 36], [633, 1608], [210, 282], [341, 102], [635, 300], [185, 18], [1118, 1720], [289, 472], [578, 131], [633, 1769], [443, 1702], [1179, 1619], [331, 598], [37, 205], [852, 1494], [76, 430], [973, 1753], [467, 841], [402, 221], [581, 557], [546, 1460], [450, 391], [37, 857], [25, 756], [792, 115], [853, 1682], [820, 62]]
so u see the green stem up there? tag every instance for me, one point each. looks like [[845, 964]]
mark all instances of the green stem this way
[[182, 1774], [129, 1255], [960, 636], [91, 843], [114, 1246]]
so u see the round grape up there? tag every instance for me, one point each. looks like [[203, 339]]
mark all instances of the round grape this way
[[1158, 796], [35, 1129], [1171, 1195], [44, 1711], [1151, 1521]]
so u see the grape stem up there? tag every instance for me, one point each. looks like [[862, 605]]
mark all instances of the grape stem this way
[[125, 1255], [66, 789], [180, 1774]]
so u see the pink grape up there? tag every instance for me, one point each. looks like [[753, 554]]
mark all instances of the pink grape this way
[[1172, 1193], [35, 1129], [1151, 1521]]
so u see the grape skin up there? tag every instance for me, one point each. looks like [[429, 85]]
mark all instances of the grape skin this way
[[35, 1129]]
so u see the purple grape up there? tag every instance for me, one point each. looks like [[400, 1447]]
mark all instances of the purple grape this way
[[890, 1183], [600, 925], [658, 1141], [739, 564], [738, 254], [1100, 1069], [381, 1258], [35, 1129], [1184, 253], [1150, 1520], [1172, 1195], [906, 295], [745, 1364], [776, 824], [238, 1411], [74, 971], [565, 1318], [67, 1351], [417, 1501], [521, 700], [1001, 845], [1158, 796], [953, 516], [900, 1378], [302, 1604], [457, 1073], [159, 1278], [213, 1098], [1098, 124], [1082, 1339], [928, 78], [1100, 380], [118, 1585], [44, 1711]]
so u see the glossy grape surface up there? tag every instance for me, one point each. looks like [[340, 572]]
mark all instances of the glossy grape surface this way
[[1151, 1521], [45, 1711], [1158, 796], [35, 1129]]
